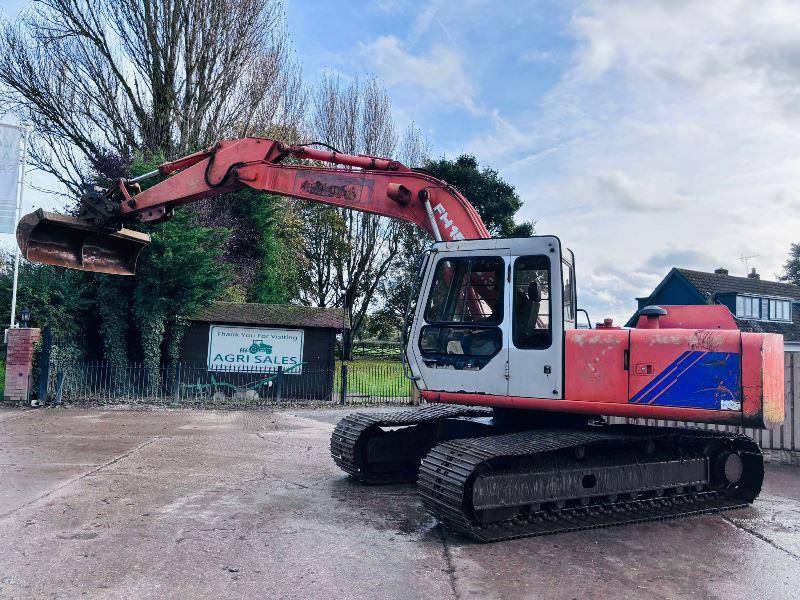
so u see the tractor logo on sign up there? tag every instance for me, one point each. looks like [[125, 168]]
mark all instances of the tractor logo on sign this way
[[258, 346]]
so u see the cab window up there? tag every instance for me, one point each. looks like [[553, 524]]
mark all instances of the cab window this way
[[531, 325], [568, 291], [467, 290], [464, 311]]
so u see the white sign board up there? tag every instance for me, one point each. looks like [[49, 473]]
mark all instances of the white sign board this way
[[10, 160], [255, 349]]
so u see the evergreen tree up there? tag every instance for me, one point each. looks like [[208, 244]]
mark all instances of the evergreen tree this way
[[281, 254], [791, 268], [177, 274], [495, 200], [61, 299], [262, 250]]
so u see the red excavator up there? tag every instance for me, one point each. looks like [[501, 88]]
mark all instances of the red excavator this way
[[511, 442]]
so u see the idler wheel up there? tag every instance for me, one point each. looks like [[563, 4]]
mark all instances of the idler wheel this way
[[732, 468]]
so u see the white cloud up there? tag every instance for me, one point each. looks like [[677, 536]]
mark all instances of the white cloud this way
[[675, 133], [703, 45], [438, 74], [390, 6], [619, 190], [533, 56]]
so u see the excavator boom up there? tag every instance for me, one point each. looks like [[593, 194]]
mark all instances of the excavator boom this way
[[96, 240]]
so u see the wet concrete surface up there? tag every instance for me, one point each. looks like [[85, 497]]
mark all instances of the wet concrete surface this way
[[182, 504]]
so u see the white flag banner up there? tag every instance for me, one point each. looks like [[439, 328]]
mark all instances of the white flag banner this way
[[9, 177]]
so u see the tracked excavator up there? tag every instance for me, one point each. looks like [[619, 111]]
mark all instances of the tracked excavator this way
[[513, 439]]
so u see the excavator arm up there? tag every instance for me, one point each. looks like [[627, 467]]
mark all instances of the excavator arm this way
[[96, 239]]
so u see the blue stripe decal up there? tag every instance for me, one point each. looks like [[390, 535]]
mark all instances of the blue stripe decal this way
[[697, 379], [661, 376], [681, 367]]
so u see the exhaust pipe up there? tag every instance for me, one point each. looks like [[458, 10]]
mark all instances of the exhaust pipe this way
[[63, 241]]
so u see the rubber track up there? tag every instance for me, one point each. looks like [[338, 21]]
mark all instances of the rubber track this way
[[445, 473], [353, 431]]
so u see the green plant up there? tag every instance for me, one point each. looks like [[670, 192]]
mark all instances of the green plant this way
[[57, 297]]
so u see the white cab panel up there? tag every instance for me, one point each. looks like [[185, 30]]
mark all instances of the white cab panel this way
[[489, 318]]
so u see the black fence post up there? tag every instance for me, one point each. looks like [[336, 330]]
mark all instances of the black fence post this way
[[344, 384], [44, 364], [278, 384]]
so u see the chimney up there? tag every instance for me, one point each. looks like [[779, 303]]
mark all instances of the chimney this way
[[753, 275], [721, 271]]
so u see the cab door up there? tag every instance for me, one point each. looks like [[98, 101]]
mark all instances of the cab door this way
[[459, 340], [540, 283]]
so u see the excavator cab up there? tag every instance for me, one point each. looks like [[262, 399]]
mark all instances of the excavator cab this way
[[490, 318], [65, 241]]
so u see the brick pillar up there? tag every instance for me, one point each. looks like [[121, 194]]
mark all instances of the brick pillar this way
[[19, 362]]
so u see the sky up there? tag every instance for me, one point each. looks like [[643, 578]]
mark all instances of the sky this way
[[644, 134]]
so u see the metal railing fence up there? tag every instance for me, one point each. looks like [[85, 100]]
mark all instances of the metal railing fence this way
[[193, 385], [358, 382], [376, 350]]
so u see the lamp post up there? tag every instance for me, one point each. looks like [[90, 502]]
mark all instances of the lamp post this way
[[25, 317]]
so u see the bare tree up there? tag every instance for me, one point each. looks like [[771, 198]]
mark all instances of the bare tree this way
[[101, 77], [350, 252]]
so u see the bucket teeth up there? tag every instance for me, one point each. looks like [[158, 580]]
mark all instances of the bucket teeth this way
[[64, 241]]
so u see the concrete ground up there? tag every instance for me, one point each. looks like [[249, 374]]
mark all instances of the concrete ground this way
[[185, 504]]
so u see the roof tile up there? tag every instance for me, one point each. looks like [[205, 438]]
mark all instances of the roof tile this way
[[789, 331], [712, 283], [253, 313]]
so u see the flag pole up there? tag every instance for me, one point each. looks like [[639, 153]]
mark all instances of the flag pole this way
[[21, 189]]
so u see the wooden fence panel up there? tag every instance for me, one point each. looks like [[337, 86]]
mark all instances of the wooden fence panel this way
[[795, 401], [785, 437]]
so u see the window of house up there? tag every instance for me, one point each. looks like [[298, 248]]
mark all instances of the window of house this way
[[763, 308], [748, 308], [780, 310]]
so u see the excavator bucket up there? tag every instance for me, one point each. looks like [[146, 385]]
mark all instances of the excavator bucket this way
[[63, 241]]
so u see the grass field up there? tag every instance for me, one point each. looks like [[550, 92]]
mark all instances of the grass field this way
[[375, 378]]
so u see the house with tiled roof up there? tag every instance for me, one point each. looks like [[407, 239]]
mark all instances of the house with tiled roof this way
[[756, 304]]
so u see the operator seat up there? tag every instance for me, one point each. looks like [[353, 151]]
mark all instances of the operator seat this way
[[526, 313], [534, 304]]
